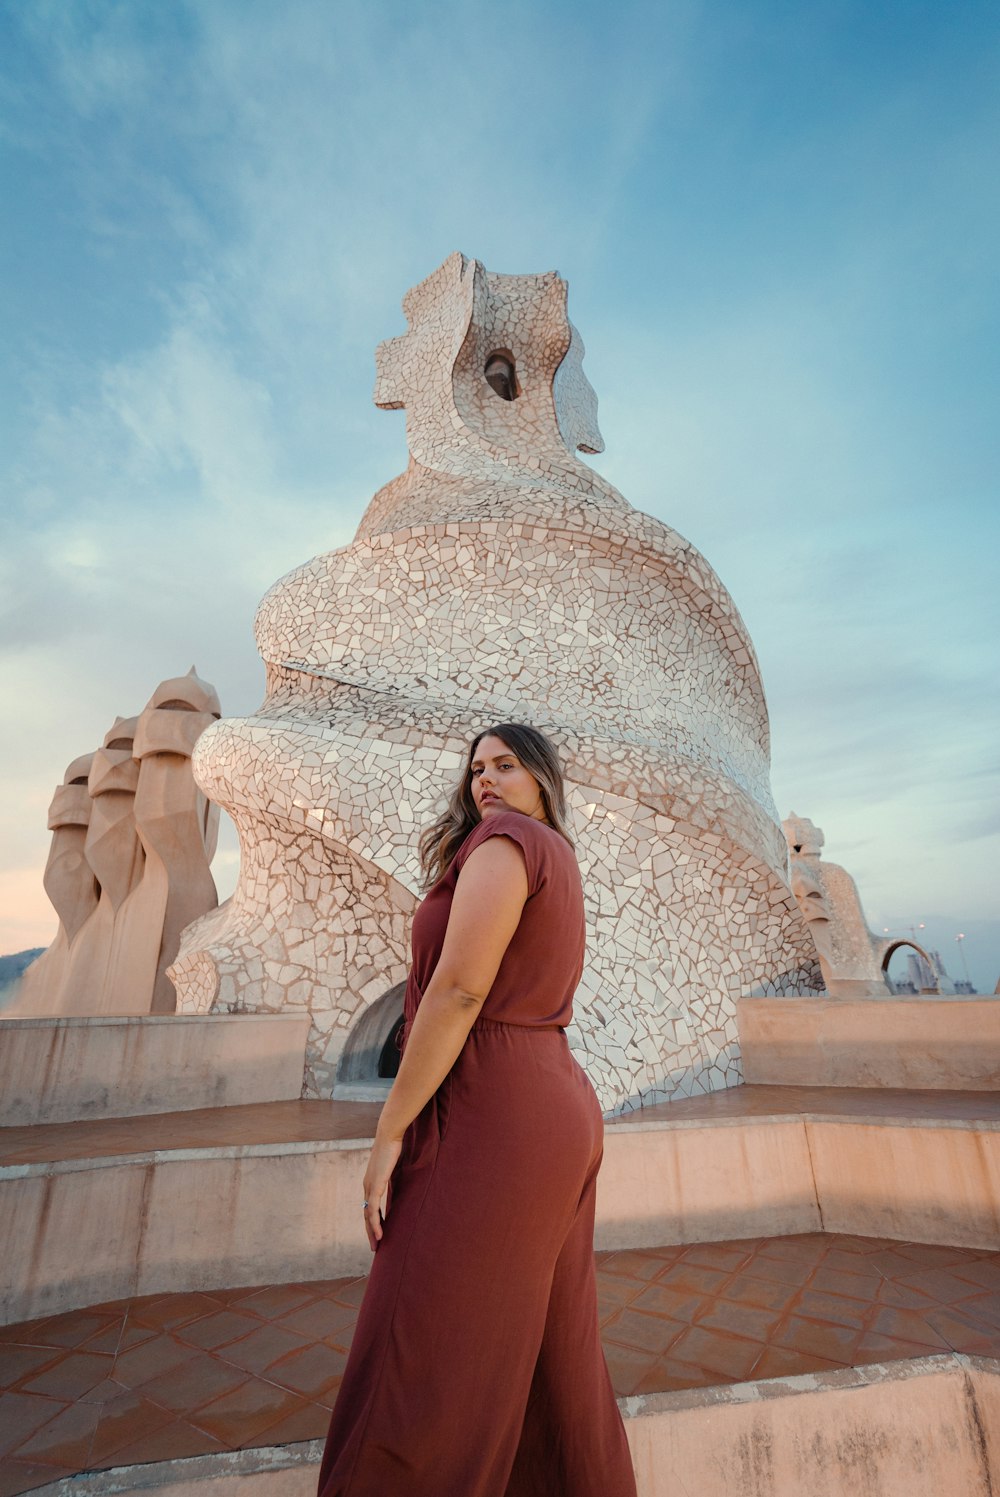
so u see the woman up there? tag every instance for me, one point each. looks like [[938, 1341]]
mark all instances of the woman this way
[[476, 1368]]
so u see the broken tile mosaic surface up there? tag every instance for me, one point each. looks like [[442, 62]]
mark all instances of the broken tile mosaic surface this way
[[501, 578]]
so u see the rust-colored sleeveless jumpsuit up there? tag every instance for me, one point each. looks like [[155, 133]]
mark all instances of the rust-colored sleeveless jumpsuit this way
[[476, 1368]]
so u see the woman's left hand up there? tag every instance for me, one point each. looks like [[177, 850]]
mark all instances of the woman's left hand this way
[[381, 1162]]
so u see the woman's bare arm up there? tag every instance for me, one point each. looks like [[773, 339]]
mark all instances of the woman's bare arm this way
[[485, 910]]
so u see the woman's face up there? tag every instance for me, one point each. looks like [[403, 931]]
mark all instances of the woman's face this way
[[500, 781]]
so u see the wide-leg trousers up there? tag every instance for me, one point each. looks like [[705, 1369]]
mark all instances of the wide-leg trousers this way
[[476, 1368]]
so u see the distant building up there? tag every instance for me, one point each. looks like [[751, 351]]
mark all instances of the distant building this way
[[929, 976]]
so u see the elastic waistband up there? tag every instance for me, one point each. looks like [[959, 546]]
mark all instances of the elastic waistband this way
[[484, 1023]]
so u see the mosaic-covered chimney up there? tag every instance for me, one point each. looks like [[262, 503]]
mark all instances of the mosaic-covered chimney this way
[[500, 577]]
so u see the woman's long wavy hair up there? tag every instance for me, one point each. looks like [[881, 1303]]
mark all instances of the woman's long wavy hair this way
[[441, 840]]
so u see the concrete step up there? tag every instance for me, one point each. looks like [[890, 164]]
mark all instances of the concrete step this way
[[914, 1429], [63, 1070], [262, 1193], [950, 1043]]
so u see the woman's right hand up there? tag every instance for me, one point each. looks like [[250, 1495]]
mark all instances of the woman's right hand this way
[[381, 1162]]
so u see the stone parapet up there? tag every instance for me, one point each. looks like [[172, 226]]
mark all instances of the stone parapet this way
[[66, 1070], [952, 1043]]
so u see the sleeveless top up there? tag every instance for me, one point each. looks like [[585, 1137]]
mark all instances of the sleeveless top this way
[[541, 967]]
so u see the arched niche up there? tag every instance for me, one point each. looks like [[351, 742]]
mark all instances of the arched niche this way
[[370, 1058]]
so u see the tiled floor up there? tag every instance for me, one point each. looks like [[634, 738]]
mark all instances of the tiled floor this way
[[183, 1374], [317, 1122]]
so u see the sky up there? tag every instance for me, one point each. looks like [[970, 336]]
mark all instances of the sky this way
[[779, 224]]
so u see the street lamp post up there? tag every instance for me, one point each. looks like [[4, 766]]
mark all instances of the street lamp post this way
[[960, 939]]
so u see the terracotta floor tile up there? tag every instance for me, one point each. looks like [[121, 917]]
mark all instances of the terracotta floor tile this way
[[668, 1375], [725, 1257], [767, 1293], [856, 1286], [848, 1243], [66, 1330], [729, 1356], [872, 1348], [982, 1310], [752, 1321], [982, 1271], [274, 1301], [632, 1264], [931, 1255], [103, 1392], [668, 1252], [171, 1442], [236, 1418], [615, 1289], [174, 1310], [323, 1317], [151, 1359], [891, 1263], [696, 1280], [21, 1415], [124, 1421], [627, 1366], [963, 1332], [351, 1292], [310, 1371], [24, 1476], [257, 1351], [836, 1308], [194, 1383], [71, 1377], [833, 1342], [902, 1297], [132, 1334], [311, 1422], [23, 1330], [792, 1272], [217, 1330], [862, 1264], [64, 1440], [906, 1325], [808, 1247], [299, 1121], [647, 1333], [945, 1286], [109, 1339], [665, 1299], [781, 1361], [17, 1362]]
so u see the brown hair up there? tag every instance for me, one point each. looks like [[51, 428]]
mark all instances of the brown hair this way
[[441, 840]]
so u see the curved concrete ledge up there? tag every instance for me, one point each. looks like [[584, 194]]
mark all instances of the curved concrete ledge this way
[[63, 1070], [902, 1429], [228, 1215], [952, 1043]]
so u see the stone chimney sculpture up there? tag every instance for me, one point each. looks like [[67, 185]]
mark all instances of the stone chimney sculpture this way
[[129, 863], [68, 879], [498, 578], [851, 957], [177, 826]]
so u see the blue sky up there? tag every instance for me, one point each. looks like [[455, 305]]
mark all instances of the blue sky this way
[[779, 224]]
